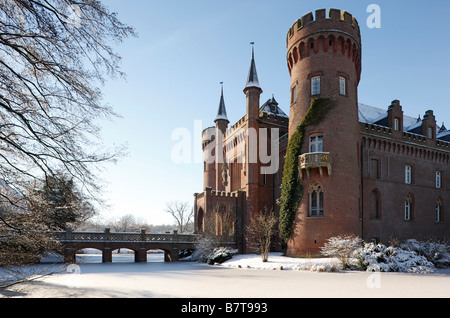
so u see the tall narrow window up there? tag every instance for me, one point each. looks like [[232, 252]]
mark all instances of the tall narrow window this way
[[315, 201], [438, 179], [396, 124], [438, 212], [430, 132], [342, 86], [408, 205], [293, 94], [316, 143], [315, 85], [408, 172]]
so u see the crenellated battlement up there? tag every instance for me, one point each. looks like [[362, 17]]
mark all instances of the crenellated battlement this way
[[333, 15], [235, 194], [338, 33]]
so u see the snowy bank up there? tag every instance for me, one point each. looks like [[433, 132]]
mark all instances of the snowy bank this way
[[279, 262]]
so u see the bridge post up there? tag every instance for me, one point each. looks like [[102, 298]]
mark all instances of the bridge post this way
[[174, 254], [69, 253], [140, 256], [107, 252]]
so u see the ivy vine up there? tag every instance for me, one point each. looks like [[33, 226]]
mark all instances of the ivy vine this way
[[292, 188]]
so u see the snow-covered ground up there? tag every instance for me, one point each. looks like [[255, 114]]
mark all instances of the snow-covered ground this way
[[244, 276], [278, 262]]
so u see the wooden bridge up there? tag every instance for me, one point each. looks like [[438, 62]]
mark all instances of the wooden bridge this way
[[140, 243]]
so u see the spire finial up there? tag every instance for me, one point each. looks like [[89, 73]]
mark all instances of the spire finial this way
[[222, 113], [253, 50], [252, 80]]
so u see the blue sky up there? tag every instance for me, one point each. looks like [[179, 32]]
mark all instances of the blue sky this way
[[186, 48]]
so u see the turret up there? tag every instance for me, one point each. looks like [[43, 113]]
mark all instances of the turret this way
[[324, 61], [221, 127], [252, 90]]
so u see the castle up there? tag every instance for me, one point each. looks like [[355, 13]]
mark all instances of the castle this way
[[375, 173]]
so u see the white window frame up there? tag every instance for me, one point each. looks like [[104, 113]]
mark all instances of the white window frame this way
[[316, 143], [408, 174], [396, 124], [430, 133], [315, 85], [293, 94], [438, 179], [316, 203], [342, 85]]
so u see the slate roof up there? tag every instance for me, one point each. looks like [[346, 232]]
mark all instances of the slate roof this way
[[271, 107], [374, 115]]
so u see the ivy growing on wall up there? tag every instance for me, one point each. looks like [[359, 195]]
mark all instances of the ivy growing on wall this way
[[292, 188]]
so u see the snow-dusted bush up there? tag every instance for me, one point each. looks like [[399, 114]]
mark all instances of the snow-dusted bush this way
[[342, 248], [221, 254], [391, 259], [207, 251], [436, 252]]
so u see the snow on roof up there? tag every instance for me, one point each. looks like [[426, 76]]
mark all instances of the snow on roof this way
[[271, 107], [370, 114]]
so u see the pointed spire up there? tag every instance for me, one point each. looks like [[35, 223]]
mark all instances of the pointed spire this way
[[222, 113], [252, 80]]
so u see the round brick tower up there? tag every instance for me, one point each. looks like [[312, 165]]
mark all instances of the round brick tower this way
[[324, 61]]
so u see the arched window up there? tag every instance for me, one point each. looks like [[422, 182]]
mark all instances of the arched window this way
[[408, 208], [375, 205], [438, 211], [315, 200], [200, 221]]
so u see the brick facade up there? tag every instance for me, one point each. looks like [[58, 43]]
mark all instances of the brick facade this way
[[379, 177]]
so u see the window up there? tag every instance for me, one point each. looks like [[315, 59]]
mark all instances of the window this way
[[315, 85], [342, 86], [430, 132], [293, 95], [396, 124], [408, 206], [315, 201], [438, 212], [438, 179], [408, 173], [316, 143]]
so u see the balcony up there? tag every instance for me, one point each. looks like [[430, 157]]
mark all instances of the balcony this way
[[314, 160]]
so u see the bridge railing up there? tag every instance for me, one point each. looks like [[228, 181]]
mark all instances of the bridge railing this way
[[107, 235]]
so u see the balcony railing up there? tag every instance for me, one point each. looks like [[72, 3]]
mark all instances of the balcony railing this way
[[314, 160]]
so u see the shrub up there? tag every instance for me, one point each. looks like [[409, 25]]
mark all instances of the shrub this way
[[435, 252], [391, 259], [342, 247]]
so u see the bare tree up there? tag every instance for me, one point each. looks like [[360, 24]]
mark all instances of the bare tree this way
[[182, 213], [54, 56], [218, 228], [261, 231], [129, 223]]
